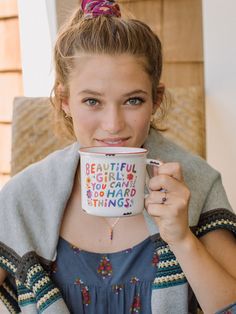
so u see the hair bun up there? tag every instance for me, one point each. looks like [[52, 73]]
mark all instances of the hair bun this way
[[94, 8]]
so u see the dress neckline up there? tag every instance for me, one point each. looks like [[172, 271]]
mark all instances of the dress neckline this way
[[136, 246]]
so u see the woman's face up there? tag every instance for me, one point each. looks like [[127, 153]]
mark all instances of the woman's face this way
[[110, 100]]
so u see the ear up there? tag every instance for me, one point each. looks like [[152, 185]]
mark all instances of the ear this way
[[160, 94], [61, 91]]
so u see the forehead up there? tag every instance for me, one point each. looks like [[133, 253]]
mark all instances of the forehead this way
[[95, 68]]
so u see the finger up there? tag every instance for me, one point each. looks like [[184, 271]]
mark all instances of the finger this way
[[172, 207], [172, 169], [157, 197], [168, 199], [165, 182]]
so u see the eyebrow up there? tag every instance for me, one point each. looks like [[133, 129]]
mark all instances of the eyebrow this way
[[91, 92]]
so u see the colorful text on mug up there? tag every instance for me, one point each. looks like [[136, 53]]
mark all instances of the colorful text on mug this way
[[110, 184]]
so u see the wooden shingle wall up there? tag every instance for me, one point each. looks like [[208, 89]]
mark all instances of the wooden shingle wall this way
[[10, 79], [178, 23]]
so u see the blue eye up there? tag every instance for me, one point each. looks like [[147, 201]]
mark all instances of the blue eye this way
[[91, 102], [135, 101]]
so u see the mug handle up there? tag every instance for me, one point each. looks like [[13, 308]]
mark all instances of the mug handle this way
[[151, 162], [154, 162]]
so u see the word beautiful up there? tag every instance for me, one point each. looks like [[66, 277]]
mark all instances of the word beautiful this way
[[110, 184]]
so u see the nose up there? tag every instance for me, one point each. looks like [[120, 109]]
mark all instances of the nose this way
[[114, 120]]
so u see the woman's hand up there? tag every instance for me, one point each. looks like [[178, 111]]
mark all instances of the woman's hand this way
[[171, 216], [170, 208]]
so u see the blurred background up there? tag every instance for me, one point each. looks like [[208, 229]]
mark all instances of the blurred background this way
[[199, 51]]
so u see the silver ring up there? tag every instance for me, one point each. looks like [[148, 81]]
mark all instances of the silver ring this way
[[164, 198]]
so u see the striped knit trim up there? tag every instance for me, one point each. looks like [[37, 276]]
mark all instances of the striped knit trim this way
[[169, 272], [26, 296], [169, 280], [8, 301], [215, 219], [32, 273], [9, 259], [44, 290], [168, 263], [6, 264], [52, 296], [26, 299], [9, 291]]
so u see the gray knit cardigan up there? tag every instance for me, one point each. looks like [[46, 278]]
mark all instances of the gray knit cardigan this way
[[31, 210]]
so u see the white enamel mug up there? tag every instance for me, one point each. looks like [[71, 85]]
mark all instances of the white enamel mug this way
[[113, 180]]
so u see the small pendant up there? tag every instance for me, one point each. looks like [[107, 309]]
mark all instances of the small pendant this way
[[111, 234]]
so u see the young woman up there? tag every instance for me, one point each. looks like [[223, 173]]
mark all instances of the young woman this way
[[179, 252]]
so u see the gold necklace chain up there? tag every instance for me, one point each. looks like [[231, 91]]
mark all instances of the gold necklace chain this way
[[112, 226]]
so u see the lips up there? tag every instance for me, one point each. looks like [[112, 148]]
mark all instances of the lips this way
[[113, 141]]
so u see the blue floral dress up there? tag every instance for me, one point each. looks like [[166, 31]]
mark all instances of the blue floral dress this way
[[112, 283]]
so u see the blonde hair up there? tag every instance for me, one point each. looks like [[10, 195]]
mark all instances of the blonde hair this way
[[102, 34]]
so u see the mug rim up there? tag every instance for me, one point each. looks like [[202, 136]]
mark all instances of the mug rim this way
[[112, 151]]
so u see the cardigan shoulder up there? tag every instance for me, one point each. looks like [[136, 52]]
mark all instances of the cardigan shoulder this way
[[32, 203]]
